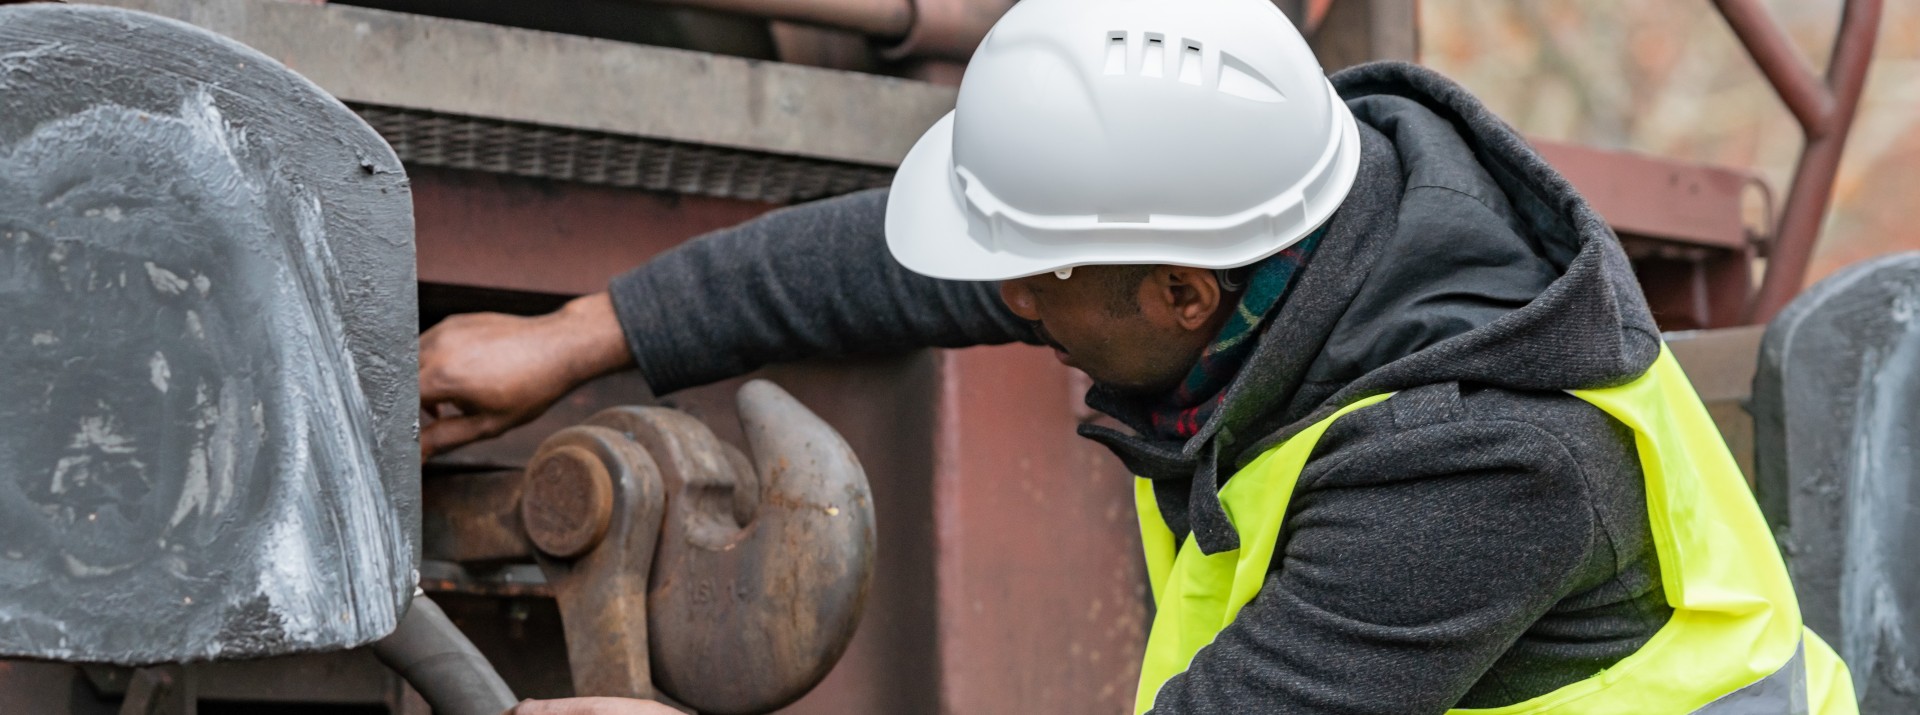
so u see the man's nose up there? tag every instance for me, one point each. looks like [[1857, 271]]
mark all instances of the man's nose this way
[[1019, 299]]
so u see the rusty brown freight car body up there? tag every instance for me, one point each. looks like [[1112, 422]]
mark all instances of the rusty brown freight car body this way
[[548, 157]]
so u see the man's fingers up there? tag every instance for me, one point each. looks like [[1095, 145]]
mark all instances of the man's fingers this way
[[436, 356], [449, 432], [435, 388]]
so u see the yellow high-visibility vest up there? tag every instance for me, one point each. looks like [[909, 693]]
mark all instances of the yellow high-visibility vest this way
[[1735, 642]]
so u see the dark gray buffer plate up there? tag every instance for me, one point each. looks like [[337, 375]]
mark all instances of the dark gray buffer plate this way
[[207, 364], [1836, 408]]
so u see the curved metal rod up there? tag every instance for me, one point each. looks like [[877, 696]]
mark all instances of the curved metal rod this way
[[1825, 110], [437, 659], [941, 29], [1805, 94]]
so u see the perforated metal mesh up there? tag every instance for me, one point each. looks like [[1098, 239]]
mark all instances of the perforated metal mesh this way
[[503, 147]]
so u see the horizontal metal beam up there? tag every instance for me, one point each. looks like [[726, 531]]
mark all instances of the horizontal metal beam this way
[[487, 230], [428, 139], [471, 69], [482, 97], [1651, 197]]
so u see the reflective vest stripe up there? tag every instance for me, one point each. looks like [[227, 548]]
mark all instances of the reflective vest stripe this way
[[1733, 645], [1790, 689], [1782, 693]]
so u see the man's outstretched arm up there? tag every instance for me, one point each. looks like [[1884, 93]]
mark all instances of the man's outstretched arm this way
[[798, 283], [806, 281]]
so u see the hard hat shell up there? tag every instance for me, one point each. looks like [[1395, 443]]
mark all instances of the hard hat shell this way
[[1189, 132]]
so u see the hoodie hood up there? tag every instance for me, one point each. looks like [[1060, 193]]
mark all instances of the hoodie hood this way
[[1459, 256]]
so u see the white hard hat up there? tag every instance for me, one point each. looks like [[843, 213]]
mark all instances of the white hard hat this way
[[1191, 132]]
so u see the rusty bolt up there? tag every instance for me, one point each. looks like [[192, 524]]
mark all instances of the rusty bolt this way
[[568, 501]]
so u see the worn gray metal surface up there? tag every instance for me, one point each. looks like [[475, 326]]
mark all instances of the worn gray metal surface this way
[[1837, 428], [472, 69], [207, 366]]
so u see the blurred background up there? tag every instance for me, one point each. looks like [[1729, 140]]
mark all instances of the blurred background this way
[[1669, 78]]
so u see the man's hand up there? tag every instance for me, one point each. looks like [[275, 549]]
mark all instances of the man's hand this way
[[591, 706], [501, 371]]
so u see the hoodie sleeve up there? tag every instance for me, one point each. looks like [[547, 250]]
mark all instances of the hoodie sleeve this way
[[1414, 559], [808, 281]]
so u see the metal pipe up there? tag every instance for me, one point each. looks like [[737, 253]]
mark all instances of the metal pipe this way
[[1316, 13], [948, 29], [1810, 100], [1811, 192], [889, 19], [437, 659]]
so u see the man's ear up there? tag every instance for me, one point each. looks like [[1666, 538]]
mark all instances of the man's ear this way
[[1190, 296]]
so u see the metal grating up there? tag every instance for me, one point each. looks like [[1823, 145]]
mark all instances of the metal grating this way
[[521, 149]]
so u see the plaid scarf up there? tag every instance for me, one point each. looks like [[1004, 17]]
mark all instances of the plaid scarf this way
[[1179, 415]]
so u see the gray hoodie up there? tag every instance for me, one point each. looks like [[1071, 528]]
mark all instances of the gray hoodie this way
[[1478, 540]]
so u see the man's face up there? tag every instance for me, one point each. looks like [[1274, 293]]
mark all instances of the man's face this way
[[1135, 328]]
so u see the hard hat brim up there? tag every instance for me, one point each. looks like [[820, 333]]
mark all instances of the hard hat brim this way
[[927, 226]]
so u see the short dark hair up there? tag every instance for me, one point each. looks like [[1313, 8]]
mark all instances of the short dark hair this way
[[1122, 284]]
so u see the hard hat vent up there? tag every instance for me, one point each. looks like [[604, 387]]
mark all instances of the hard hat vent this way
[[1154, 62], [1190, 63], [1235, 76], [1241, 80], [1116, 53]]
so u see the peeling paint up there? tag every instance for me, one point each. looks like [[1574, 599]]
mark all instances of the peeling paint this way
[[97, 433], [81, 570], [164, 280], [157, 371]]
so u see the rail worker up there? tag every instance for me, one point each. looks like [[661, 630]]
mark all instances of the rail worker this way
[[1406, 437]]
